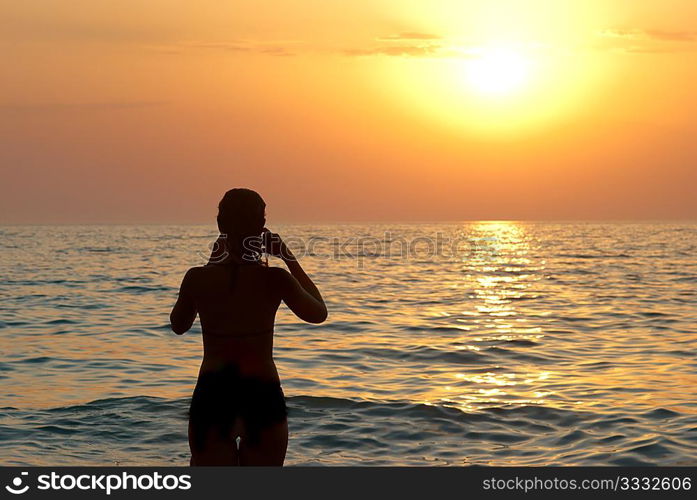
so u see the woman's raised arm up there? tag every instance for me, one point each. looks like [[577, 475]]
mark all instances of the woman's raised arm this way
[[298, 291]]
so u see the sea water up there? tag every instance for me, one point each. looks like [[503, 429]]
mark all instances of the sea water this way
[[489, 343]]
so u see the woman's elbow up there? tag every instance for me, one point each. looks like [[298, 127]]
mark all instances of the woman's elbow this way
[[179, 327], [319, 317]]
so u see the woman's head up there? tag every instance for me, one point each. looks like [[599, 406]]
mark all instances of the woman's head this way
[[241, 214]]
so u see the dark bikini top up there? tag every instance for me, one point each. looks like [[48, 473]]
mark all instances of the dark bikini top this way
[[240, 335], [234, 270]]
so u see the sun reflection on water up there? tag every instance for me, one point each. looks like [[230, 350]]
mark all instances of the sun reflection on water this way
[[498, 273], [517, 319]]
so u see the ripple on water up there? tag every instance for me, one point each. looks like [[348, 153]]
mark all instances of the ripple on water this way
[[144, 430], [541, 344]]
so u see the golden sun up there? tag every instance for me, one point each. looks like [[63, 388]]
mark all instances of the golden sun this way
[[497, 71]]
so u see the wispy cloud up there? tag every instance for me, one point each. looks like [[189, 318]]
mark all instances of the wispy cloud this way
[[428, 50], [646, 41], [651, 35], [404, 44], [273, 48], [408, 35]]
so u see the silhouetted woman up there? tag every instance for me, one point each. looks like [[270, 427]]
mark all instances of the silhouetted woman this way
[[238, 393]]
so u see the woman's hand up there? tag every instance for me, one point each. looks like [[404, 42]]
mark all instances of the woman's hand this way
[[275, 246]]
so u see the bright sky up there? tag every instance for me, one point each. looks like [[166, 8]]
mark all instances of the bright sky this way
[[133, 111]]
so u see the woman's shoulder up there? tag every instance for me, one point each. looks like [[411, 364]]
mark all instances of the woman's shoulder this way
[[277, 277], [198, 274], [193, 274], [277, 272], [196, 270]]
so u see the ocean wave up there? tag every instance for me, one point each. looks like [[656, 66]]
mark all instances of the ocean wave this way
[[549, 344], [141, 430]]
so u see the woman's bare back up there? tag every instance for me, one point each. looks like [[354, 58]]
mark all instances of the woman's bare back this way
[[237, 306], [238, 392]]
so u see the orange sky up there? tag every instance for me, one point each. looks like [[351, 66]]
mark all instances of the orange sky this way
[[132, 111]]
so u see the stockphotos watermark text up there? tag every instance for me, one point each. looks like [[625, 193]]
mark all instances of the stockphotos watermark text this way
[[106, 483]]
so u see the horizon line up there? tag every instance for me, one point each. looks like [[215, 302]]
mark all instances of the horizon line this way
[[369, 221]]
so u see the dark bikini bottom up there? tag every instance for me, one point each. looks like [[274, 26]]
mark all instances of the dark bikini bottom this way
[[222, 396]]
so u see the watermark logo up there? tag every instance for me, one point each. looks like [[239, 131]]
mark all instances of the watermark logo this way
[[424, 247], [16, 488], [107, 483]]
